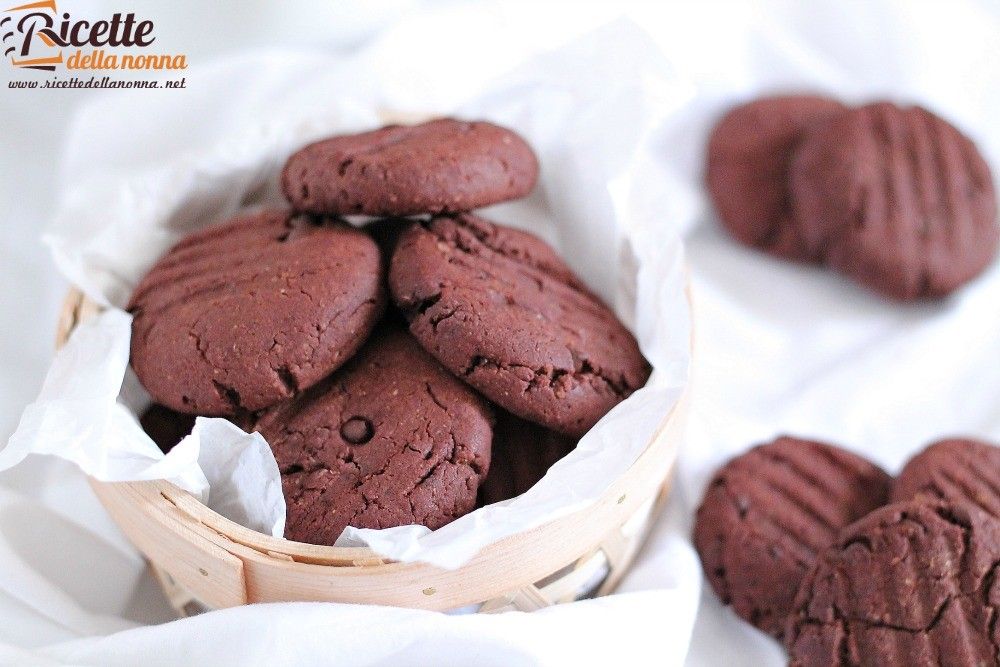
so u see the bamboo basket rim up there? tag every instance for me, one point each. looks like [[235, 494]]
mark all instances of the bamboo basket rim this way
[[251, 546]]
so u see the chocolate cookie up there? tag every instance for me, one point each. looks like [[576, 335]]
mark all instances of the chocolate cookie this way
[[522, 453], [500, 310], [243, 314], [768, 513], [166, 427], [957, 470], [895, 198], [442, 165], [910, 584], [747, 172], [390, 439]]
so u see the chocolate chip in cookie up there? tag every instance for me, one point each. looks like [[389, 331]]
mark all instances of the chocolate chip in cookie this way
[[390, 439]]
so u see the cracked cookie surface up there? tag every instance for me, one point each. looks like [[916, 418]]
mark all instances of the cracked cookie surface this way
[[958, 470], [390, 439], [242, 314], [499, 309], [896, 199], [912, 583], [437, 166], [768, 513], [749, 151]]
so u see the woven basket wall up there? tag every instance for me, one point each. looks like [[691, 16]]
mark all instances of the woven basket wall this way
[[205, 561]]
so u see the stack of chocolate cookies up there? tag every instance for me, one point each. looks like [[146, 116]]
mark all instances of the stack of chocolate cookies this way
[[893, 197], [385, 364], [821, 548]]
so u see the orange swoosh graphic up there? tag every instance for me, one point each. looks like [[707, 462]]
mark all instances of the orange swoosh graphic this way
[[44, 4], [51, 60]]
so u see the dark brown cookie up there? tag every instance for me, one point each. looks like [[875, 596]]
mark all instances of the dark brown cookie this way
[[243, 314], [749, 151], [957, 470], [391, 439], [166, 427], [522, 453], [895, 198], [500, 310], [442, 165], [768, 513], [910, 584]]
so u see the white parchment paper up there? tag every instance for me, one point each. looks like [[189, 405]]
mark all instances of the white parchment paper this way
[[148, 169]]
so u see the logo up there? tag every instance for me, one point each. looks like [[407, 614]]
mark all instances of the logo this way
[[37, 36]]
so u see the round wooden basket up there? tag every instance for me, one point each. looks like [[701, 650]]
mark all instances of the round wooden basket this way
[[204, 560]]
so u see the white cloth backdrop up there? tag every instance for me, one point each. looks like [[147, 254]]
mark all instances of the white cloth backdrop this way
[[780, 348]]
